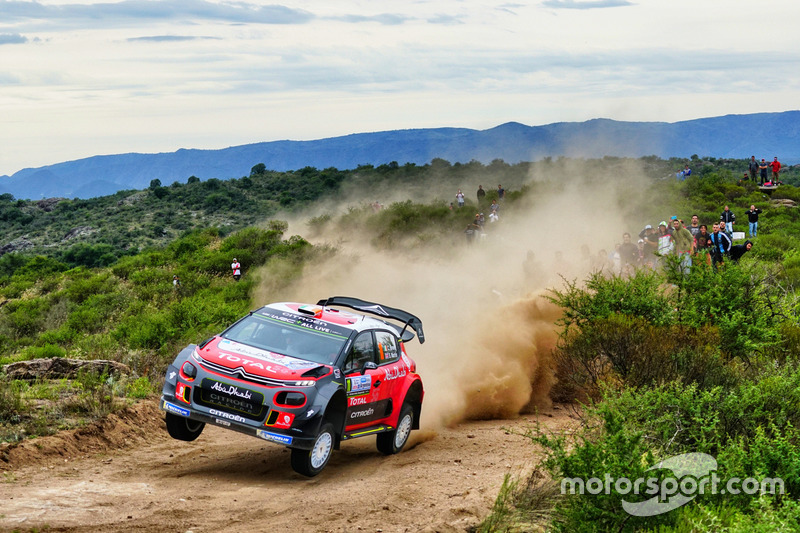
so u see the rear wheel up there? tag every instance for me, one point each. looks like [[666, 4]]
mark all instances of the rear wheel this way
[[311, 462], [182, 428], [392, 442]]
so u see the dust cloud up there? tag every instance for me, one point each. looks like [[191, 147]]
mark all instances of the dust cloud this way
[[489, 328]]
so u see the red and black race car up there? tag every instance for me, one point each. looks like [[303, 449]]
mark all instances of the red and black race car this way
[[305, 376]]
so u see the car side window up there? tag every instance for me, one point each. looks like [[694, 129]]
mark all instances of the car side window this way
[[388, 351], [362, 352]]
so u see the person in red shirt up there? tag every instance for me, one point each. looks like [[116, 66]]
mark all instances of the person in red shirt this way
[[776, 168]]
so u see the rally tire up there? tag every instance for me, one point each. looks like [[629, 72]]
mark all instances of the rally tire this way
[[392, 442], [311, 462], [181, 428]]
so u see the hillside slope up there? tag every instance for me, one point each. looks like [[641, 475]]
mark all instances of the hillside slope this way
[[738, 136]]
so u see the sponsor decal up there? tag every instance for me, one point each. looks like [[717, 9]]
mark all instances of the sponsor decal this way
[[377, 309], [274, 437], [406, 360], [172, 408], [362, 414], [172, 375], [371, 412], [337, 373], [284, 420], [393, 372], [356, 400], [309, 413], [222, 422], [180, 392], [230, 416], [232, 390], [359, 384], [230, 402], [257, 353]]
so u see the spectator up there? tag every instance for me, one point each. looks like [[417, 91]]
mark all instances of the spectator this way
[[237, 269], [460, 198], [472, 230], [776, 169], [752, 218], [752, 166], [531, 268], [501, 193], [694, 228], [481, 194], [640, 260], [684, 244], [738, 250], [762, 169], [703, 245], [720, 246], [495, 207], [728, 219], [629, 253], [176, 282], [650, 245], [665, 243]]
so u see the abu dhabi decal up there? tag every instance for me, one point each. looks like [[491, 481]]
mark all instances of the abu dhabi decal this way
[[274, 437], [232, 390], [359, 384], [393, 372], [264, 355], [176, 409]]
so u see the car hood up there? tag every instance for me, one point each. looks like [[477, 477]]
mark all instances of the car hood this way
[[235, 355]]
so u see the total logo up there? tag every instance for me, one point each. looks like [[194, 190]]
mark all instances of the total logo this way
[[358, 400], [229, 416]]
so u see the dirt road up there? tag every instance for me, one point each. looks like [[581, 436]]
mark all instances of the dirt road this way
[[128, 475]]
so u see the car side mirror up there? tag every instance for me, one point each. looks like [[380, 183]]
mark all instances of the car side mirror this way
[[369, 365], [408, 335]]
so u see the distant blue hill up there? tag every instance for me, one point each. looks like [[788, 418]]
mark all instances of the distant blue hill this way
[[731, 136]]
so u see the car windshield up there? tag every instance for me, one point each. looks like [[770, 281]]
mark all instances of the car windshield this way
[[320, 345]]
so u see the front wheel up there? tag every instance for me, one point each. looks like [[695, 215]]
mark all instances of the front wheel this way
[[311, 462], [392, 442], [182, 428]]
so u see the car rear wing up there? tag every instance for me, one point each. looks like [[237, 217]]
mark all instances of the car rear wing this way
[[380, 310]]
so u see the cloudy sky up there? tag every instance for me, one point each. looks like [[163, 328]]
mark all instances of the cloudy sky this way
[[89, 78]]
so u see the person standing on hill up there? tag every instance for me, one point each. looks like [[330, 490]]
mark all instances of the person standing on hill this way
[[237, 269], [752, 166], [684, 244], [762, 169], [629, 254], [694, 228], [728, 219], [720, 245], [752, 218], [501, 193], [460, 198], [776, 169], [481, 194]]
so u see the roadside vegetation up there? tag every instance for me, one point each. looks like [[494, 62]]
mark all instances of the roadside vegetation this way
[[661, 363]]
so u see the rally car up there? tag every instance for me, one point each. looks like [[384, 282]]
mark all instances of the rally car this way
[[305, 376]]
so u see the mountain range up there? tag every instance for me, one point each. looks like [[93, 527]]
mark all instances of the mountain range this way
[[730, 136]]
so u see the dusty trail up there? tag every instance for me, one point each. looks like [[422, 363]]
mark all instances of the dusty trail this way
[[445, 481]]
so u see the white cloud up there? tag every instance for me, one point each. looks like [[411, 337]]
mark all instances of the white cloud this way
[[103, 77]]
